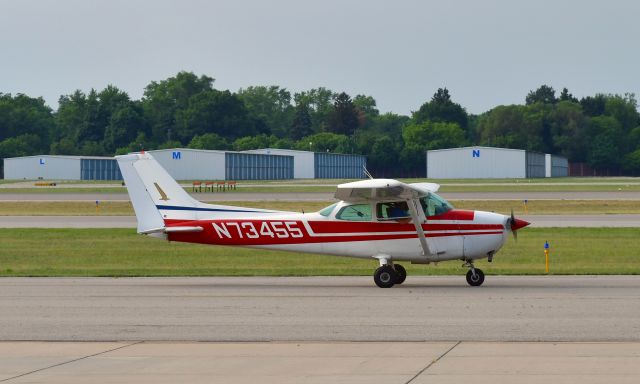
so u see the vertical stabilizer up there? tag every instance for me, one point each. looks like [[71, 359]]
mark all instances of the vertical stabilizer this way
[[151, 187]]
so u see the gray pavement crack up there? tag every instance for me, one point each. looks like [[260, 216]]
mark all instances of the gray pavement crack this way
[[433, 362], [69, 361]]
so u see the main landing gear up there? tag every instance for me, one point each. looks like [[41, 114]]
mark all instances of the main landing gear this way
[[475, 276], [388, 275]]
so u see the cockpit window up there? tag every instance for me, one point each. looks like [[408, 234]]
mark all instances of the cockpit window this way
[[392, 211], [356, 212], [327, 210], [434, 205]]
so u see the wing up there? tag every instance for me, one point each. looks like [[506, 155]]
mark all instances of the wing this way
[[382, 189]]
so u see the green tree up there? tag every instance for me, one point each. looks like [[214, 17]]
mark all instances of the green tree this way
[[384, 155], [301, 125], [219, 112], [65, 146], [512, 126], [569, 130], [545, 95], [320, 102], [607, 139], [442, 109], [22, 145], [208, 141], [624, 109], [253, 142], [593, 106], [271, 104], [125, 123], [390, 124], [324, 142], [21, 114], [163, 99], [433, 135], [566, 96], [631, 162], [366, 110], [344, 117], [141, 142]]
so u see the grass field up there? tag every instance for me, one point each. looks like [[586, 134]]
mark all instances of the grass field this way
[[119, 208], [120, 252]]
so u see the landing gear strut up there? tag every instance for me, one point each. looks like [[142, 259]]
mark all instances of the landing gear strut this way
[[475, 276]]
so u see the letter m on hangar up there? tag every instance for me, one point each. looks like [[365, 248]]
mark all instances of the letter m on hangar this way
[[176, 155], [475, 153]]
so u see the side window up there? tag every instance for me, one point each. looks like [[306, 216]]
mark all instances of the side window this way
[[392, 210], [356, 212]]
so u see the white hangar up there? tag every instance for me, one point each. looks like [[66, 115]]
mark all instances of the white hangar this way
[[491, 163]]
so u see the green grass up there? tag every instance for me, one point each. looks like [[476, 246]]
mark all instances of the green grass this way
[[121, 252], [123, 208]]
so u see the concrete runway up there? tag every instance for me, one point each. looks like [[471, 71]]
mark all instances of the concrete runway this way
[[325, 196], [305, 330], [315, 363], [539, 221], [250, 309]]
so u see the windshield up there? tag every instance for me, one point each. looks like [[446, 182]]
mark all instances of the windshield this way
[[434, 205], [326, 211]]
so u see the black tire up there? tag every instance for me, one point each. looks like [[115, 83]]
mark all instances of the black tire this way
[[477, 280], [385, 276], [401, 272]]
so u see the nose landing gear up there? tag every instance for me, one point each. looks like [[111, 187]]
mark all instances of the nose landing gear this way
[[475, 276]]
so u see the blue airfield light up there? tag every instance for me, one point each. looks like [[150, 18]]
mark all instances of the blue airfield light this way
[[546, 245]]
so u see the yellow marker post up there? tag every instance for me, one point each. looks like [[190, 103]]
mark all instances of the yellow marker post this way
[[546, 256], [97, 207], [525, 201]]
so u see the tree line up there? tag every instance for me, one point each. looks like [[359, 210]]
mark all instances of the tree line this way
[[188, 111]]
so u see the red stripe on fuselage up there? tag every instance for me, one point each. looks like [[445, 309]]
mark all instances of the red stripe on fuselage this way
[[323, 227], [272, 232]]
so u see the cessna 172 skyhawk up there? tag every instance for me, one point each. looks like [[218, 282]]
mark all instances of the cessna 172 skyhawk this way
[[380, 219]]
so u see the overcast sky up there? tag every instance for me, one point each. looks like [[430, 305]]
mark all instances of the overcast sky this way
[[486, 52]]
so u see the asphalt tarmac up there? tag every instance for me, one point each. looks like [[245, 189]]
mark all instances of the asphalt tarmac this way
[[252, 309], [537, 221]]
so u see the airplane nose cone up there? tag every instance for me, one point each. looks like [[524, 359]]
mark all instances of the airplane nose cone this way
[[518, 223]]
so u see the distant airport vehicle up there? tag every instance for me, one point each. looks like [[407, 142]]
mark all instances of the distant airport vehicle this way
[[380, 219]]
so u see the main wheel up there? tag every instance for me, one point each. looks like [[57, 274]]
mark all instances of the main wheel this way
[[385, 276], [477, 279], [401, 272]]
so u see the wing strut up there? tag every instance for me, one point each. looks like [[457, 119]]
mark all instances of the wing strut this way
[[413, 209]]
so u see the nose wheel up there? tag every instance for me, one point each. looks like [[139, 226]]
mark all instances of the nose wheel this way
[[475, 277]]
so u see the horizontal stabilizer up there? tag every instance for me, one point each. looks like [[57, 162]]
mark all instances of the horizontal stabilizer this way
[[172, 230]]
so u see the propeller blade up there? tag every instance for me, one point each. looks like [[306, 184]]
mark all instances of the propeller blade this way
[[516, 224]]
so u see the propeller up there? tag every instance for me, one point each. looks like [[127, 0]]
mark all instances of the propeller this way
[[515, 224]]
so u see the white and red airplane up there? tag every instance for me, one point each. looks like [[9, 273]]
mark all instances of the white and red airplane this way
[[380, 219]]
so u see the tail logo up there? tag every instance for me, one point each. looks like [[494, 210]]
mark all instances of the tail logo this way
[[163, 196]]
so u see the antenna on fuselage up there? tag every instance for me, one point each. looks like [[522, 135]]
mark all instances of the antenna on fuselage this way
[[366, 172]]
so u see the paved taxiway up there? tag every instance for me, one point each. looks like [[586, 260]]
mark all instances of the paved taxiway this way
[[557, 308], [325, 196], [542, 221], [316, 363]]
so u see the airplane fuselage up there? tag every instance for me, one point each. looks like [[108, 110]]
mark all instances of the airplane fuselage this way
[[457, 234]]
